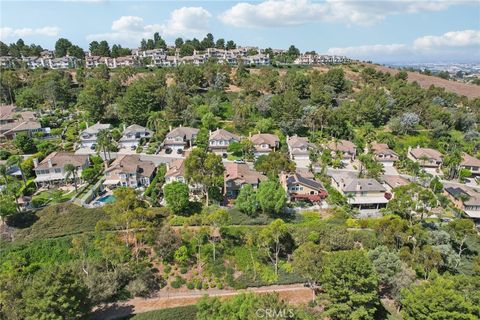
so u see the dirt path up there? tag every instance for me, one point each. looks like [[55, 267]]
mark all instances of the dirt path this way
[[294, 293]]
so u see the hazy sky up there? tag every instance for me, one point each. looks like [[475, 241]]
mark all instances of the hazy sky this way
[[380, 30]]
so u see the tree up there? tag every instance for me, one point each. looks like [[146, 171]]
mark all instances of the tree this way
[[460, 230], [205, 169], [181, 255], [349, 281], [55, 294], [139, 96], [166, 243], [387, 265], [271, 197], [270, 239], [274, 163], [247, 200], [94, 98], [177, 196], [25, 143], [71, 171], [230, 45], [61, 47], [178, 43], [308, 262], [447, 297], [220, 44], [89, 174]]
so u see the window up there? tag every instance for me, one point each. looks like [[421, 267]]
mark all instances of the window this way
[[58, 170]]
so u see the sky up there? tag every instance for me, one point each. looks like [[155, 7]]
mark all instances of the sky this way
[[384, 31]]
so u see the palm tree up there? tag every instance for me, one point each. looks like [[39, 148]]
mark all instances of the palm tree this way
[[104, 143], [17, 161], [71, 170], [158, 123]]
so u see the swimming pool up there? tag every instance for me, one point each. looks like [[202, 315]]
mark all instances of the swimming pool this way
[[107, 199]]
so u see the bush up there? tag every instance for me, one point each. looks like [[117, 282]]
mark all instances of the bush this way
[[178, 282], [187, 312], [199, 285], [183, 269], [190, 285], [167, 269]]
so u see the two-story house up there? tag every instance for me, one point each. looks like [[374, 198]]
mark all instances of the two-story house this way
[[175, 171], [52, 169], [428, 159], [220, 139], [384, 154], [362, 193], [88, 137], [303, 188], [132, 135], [264, 143], [129, 171], [14, 121], [238, 174], [346, 149], [298, 147], [180, 138], [470, 163], [465, 198]]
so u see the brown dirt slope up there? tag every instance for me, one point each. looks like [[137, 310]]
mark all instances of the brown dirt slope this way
[[471, 91]]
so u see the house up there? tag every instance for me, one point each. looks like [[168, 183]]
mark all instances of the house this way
[[298, 147], [220, 139], [175, 171], [264, 143], [391, 182], [88, 137], [66, 62], [299, 187], [384, 154], [466, 199], [428, 159], [129, 171], [345, 148], [13, 122], [180, 138], [238, 174], [470, 163], [52, 169], [257, 59], [362, 193], [132, 135]]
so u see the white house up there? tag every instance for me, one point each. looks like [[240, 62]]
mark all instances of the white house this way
[[132, 135], [88, 137], [52, 168]]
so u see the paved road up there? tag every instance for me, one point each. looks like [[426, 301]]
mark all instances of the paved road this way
[[294, 293]]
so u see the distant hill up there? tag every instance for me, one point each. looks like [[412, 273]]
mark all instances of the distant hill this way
[[471, 91]]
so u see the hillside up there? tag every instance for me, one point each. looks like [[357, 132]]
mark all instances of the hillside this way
[[463, 89]]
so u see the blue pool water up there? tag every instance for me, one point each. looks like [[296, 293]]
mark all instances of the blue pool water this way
[[107, 199]]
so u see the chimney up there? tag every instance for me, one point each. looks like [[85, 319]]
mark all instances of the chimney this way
[[170, 127], [35, 162], [86, 123], [124, 127], [50, 163]]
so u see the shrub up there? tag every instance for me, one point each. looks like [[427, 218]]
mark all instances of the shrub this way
[[183, 269], [190, 285], [199, 285], [178, 282], [167, 269]]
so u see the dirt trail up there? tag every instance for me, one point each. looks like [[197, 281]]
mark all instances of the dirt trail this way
[[294, 293]]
